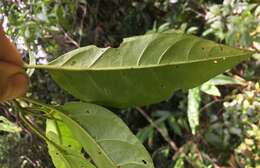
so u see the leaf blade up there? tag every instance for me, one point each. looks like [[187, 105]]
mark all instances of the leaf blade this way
[[147, 69], [109, 145], [67, 153]]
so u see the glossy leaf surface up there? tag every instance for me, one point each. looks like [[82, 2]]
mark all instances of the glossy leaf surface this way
[[105, 137], [143, 70]]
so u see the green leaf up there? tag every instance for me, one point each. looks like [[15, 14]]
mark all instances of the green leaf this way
[[179, 163], [214, 139], [210, 89], [67, 151], [224, 80], [257, 56], [193, 108], [174, 126], [8, 126], [143, 70], [145, 133], [104, 136]]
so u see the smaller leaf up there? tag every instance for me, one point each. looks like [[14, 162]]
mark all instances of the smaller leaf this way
[[7, 126], [145, 133], [224, 80], [210, 89], [67, 153], [174, 126], [257, 56], [213, 139], [104, 136], [179, 163], [161, 114], [192, 30], [245, 39], [193, 108]]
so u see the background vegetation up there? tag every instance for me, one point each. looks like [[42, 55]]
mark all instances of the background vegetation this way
[[214, 125]]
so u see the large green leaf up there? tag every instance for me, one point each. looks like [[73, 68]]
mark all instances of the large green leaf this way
[[104, 136], [67, 151], [143, 70]]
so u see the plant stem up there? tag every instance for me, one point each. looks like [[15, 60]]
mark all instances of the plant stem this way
[[39, 104], [159, 130], [33, 127], [27, 66]]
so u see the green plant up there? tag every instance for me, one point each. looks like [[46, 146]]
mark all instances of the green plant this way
[[238, 127], [143, 70], [235, 21]]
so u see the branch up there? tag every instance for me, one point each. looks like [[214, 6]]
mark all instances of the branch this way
[[159, 130]]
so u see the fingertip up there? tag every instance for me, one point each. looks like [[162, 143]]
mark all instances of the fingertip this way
[[20, 82], [8, 51], [16, 86]]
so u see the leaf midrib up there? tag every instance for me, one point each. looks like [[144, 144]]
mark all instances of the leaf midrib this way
[[68, 68]]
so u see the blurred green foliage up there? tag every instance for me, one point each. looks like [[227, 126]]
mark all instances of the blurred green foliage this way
[[236, 23], [228, 133]]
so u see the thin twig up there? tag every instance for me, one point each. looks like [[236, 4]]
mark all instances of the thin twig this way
[[82, 23], [71, 39], [33, 127], [67, 36], [215, 101], [181, 150], [198, 13], [159, 130], [210, 104]]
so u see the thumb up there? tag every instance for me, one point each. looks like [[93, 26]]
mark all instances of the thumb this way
[[8, 51], [13, 81]]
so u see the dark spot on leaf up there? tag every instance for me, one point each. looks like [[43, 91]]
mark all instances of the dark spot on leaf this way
[[69, 146], [87, 111], [56, 153], [162, 86], [144, 161], [203, 48], [73, 62], [99, 152]]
